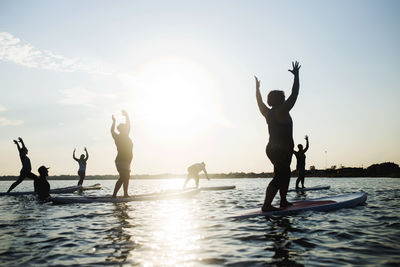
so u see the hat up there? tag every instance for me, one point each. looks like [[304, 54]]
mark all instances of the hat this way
[[42, 169]]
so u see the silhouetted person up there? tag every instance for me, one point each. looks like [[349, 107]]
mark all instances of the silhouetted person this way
[[41, 185], [82, 165], [124, 157], [26, 164], [280, 145], [193, 173], [301, 163]]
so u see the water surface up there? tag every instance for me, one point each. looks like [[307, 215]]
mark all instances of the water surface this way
[[196, 231]]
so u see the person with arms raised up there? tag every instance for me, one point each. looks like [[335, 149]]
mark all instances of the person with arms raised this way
[[82, 165], [280, 145], [26, 164], [301, 163], [124, 156]]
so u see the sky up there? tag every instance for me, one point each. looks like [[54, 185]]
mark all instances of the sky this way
[[184, 71]]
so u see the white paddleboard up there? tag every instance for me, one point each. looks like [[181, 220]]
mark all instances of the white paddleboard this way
[[61, 190], [91, 187], [143, 197], [318, 187], [318, 204]]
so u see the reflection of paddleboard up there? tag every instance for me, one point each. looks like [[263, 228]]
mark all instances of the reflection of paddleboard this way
[[61, 190], [318, 187], [91, 187], [318, 204], [216, 188], [144, 197]]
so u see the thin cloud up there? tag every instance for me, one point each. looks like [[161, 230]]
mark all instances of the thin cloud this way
[[83, 96], [7, 122], [13, 49]]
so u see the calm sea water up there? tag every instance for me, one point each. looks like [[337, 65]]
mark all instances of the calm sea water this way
[[196, 231]]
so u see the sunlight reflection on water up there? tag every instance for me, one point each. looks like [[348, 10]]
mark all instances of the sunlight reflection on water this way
[[196, 231]]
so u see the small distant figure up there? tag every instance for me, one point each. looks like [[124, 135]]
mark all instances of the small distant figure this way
[[193, 173], [82, 165], [124, 157], [26, 164], [280, 145], [41, 185], [301, 163]]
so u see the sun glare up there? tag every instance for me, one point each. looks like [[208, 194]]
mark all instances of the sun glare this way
[[174, 95]]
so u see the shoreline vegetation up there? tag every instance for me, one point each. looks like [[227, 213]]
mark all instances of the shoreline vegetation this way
[[387, 169]]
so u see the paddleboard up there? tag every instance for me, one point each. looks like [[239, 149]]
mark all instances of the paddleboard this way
[[318, 204], [216, 188], [61, 190], [91, 187], [143, 197], [318, 187]]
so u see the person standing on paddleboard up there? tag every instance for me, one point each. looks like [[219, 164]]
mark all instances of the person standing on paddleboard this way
[[193, 172], [280, 145], [124, 157], [301, 163], [82, 165], [26, 164]]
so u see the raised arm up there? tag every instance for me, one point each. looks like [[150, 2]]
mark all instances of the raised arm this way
[[113, 133], [16, 142], [261, 106], [87, 154], [127, 120], [73, 155], [289, 103], [305, 149], [22, 142]]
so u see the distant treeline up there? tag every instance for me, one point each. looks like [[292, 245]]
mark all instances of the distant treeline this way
[[387, 169]]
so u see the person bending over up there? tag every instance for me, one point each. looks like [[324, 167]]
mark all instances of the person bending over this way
[[193, 173], [280, 145], [82, 165], [124, 156], [301, 163], [26, 164]]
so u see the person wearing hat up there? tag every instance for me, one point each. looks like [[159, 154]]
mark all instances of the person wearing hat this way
[[41, 185], [193, 172]]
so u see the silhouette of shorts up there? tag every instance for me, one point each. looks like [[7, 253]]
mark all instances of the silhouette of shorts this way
[[123, 166]]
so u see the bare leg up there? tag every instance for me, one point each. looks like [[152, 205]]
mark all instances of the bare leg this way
[[127, 175], [117, 186], [298, 181], [186, 181], [19, 180], [197, 178], [82, 176], [283, 189], [269, 196]]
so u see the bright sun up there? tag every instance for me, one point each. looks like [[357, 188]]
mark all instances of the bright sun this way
[[174, 95]]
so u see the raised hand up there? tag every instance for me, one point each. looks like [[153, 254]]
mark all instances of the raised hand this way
[[113, 118], [296, 67], [306, 137], [257, 82], [85, 149], [20, 139], [124, 113], [15, 142]]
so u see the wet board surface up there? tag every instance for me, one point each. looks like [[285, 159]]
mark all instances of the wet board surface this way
[[61, 190], [92, 187], [318, 187], [217, 188], [318, 204], [171, 194]]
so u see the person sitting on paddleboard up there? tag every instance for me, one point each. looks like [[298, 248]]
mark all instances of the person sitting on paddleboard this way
[[41, 185], [26, 164], [124, 157], [280, 145], [193, 172], [82, 165], [301, 163]]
